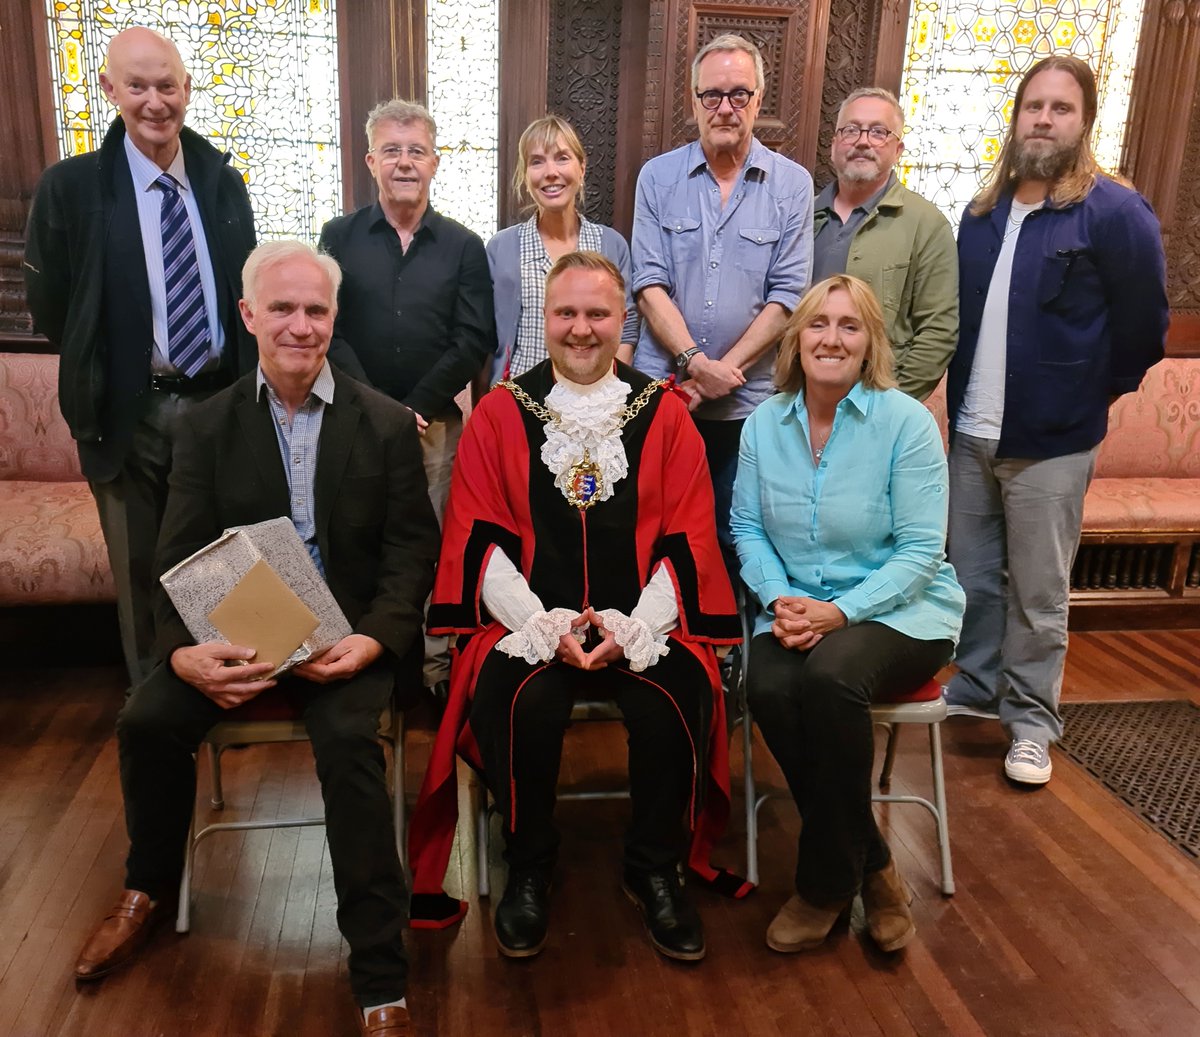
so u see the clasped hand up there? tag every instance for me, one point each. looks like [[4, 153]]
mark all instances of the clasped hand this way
[[571, 652], [710, 380], [207, 668], [800, 623]]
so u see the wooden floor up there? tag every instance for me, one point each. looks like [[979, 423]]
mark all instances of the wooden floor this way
[[1071, 916]]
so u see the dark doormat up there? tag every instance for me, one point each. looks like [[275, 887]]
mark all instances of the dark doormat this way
[[1148, 753]]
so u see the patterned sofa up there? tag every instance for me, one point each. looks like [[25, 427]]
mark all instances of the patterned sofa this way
[[51, 548]]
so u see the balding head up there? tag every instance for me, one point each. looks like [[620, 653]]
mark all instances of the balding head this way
[[145, 78]]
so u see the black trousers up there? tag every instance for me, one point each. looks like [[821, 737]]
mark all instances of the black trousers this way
[[722, 439], [160, 729], [813, 709], [666, 709]]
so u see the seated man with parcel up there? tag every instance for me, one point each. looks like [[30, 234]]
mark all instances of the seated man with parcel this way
[[297, 438]]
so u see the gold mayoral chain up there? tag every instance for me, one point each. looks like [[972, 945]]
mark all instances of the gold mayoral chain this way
[[585, 482]]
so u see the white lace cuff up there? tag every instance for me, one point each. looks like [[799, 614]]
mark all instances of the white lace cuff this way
[[537, 640], [643, 647]]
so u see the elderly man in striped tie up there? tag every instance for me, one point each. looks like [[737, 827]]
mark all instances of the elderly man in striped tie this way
[[133, 268]]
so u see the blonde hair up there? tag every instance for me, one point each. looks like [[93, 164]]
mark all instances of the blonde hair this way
[[544, 133], [878, 361], [593, 261], [1074, 185]]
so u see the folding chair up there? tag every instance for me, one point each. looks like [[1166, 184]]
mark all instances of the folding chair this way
[[266, 719], [923, 706]]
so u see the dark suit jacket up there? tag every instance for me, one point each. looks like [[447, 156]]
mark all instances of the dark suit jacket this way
[[375, 526], [85, 275]]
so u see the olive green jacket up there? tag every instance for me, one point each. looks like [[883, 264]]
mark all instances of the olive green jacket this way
[[905, 251]]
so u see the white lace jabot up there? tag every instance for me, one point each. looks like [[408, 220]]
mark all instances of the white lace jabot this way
[[589, 419]]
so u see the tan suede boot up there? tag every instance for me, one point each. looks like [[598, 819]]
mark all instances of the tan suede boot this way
[[800, 926], [886, 897]]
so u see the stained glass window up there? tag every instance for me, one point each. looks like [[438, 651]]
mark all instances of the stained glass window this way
[[463, 84], [264, 88], [963, 61]]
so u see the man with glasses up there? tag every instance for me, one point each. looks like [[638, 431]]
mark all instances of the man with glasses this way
[[416, 299], [868, 224], [721, 254]]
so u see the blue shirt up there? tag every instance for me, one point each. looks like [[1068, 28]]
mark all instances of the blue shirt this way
[[299, 441], [865, 528], [721, 266]]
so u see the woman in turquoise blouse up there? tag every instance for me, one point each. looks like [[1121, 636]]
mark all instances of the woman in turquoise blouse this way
[[839, 514]]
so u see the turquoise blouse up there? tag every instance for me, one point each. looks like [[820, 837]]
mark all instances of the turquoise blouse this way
[[865, 528]]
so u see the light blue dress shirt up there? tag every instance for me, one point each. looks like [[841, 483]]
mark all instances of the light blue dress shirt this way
[[721, 266], [149, 205], [865, 528], [299, 443]]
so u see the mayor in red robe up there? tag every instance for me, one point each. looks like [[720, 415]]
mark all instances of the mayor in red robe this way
[[580, 560]]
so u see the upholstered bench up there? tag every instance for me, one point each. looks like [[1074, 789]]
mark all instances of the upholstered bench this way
[[51, 548], [1141, 516]]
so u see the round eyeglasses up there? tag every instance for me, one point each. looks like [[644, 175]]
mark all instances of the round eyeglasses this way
[[711, 99], [851, 134]]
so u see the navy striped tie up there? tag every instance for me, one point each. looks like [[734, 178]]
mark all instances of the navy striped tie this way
[[187, 318]]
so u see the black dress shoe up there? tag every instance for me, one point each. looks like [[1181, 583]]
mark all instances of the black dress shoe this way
[[523, 915], [673, 924]]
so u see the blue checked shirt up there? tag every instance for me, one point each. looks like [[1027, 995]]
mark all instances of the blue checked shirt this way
[[721, 266], [298, 442]]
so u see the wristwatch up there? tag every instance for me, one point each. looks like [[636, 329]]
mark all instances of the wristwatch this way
[[683, 359]]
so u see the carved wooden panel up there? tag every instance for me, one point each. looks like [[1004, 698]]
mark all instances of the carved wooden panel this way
[[791, 36], [1183, 239], [585, 44]]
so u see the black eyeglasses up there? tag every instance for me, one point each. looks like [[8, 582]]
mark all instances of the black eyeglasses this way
[[851, 134], [711, 99]]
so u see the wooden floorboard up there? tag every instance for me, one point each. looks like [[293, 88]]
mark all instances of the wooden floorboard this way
[[1072, 916]]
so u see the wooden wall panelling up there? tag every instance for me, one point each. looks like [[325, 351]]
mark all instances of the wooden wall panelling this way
[[791, 36], [633, 103], [891, 34], [524, 50], [582, 86], [30, 144], [381, 54], [851, 44]]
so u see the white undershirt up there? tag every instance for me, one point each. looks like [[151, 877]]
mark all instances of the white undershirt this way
[[982, 411]]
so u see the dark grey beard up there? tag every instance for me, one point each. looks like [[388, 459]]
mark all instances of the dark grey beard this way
[[1044, 163]]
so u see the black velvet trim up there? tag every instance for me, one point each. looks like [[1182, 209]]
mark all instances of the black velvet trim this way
[[434, 911], [461, 615], [674, 547]]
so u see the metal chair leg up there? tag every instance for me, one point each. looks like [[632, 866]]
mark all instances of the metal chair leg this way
[[399, 806], [889, 756], [482, 823], [183, 917], [214, 767], [751, 795], [939, 799]]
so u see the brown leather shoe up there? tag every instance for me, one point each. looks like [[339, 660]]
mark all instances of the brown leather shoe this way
[[388, 1021], [120, 936], [800, 926], [886, 897]]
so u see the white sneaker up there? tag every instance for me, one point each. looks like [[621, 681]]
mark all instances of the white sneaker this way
[[955, 709], [1028, 762]]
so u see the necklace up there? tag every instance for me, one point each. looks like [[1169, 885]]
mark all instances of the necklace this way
[[584, 481], [819, 448]]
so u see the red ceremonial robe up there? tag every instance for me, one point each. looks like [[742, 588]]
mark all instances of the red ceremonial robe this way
[[498, 501]]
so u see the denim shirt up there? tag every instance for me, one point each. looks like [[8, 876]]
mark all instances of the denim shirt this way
[[864, 528], [721, 266]]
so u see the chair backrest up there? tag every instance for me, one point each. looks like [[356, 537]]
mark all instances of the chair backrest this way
[[1155, 432]]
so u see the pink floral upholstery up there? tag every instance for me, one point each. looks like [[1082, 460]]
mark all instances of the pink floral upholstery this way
[[1141, 505], [51, 547], [34, 441], [1156, 430]]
